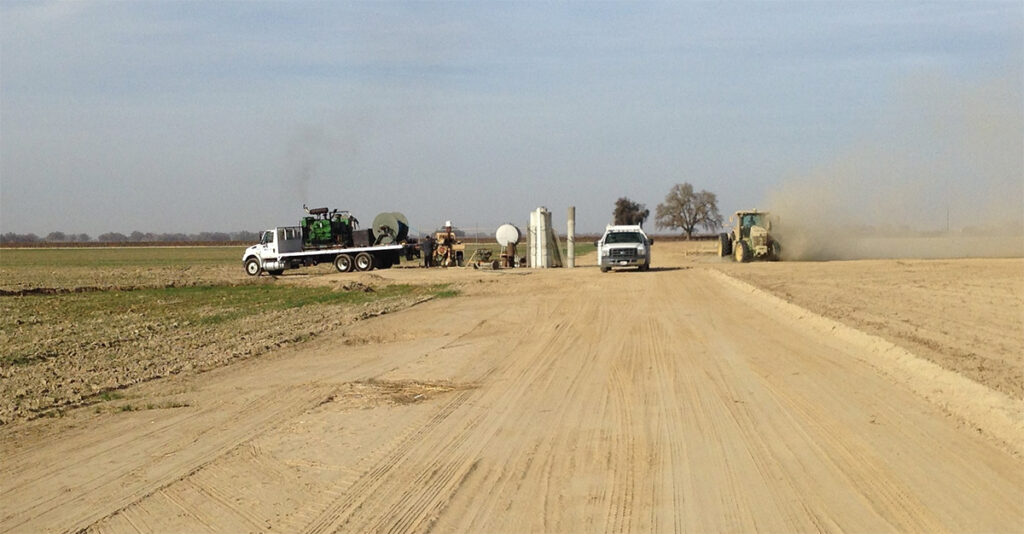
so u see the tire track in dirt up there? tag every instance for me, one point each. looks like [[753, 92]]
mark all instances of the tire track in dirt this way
[[247, 458], [842, 443], [723, 372], [420, 502], [439, 469], [159, 444], [337, 514], [559, 398], [254, 418]]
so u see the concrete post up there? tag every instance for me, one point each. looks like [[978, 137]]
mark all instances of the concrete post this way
[[532, 233], [570, 240]]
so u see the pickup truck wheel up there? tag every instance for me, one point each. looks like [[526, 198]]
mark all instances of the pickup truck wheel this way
[[645, 267], [364, 261], [343, 263], [605, 268], [252, 267]]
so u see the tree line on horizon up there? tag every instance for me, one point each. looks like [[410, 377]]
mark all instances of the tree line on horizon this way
[[134, 237]]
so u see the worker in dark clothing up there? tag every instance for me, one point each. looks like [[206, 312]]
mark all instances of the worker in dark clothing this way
[[427, 247]]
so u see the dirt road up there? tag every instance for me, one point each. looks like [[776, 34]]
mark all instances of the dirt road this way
[[556, 401]]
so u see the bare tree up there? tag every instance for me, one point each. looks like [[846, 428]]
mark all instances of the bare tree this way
[[629, 212], [686, 210]]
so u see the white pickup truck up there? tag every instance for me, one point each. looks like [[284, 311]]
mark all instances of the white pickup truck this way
[[282, 248], [624, 246]]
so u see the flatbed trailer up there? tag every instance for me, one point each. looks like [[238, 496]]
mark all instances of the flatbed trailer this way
[[282, 248]]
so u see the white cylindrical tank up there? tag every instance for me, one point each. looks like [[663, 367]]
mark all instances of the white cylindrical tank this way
[[508, 234]]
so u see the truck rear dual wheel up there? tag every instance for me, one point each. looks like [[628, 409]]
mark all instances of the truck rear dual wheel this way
[[364, 261], [343, 263]]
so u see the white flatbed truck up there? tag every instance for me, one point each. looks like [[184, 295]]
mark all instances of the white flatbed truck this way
[[282, 248]]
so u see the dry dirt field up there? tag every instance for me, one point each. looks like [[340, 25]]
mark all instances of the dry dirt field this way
[[56, 270], [700, 396], [965, 315], [78, 326]]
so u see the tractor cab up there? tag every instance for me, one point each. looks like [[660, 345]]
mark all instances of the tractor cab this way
[[750, 219]]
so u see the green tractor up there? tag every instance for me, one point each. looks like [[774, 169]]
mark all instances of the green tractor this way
[[750, 238]]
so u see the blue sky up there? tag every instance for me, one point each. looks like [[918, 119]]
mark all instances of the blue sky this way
[[221, 116]]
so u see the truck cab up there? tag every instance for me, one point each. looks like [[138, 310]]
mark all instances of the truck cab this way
[[273, 243], [624, 246]]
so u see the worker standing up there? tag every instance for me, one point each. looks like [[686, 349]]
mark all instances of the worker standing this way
[[427, 248]]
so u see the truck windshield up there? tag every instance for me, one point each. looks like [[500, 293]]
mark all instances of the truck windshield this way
[[623, 237], [267, 238]]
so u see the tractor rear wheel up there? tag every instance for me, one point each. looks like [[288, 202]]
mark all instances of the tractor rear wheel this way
[[724, 245], [364, 261], [343, 263], [742, 252]]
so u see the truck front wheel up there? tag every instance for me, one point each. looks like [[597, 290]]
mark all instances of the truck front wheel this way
[[252, 267]]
